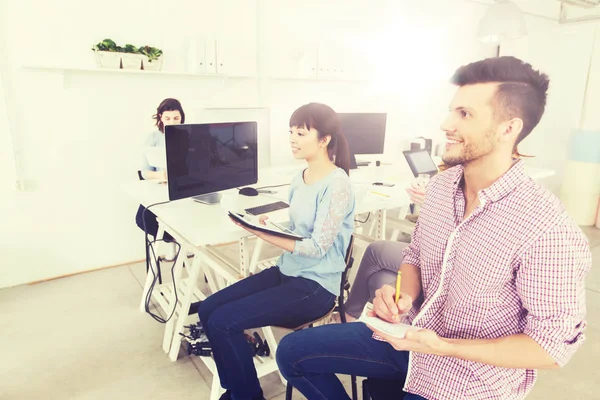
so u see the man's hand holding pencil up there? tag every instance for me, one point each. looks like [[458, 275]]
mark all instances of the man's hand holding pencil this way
[[390, 303]]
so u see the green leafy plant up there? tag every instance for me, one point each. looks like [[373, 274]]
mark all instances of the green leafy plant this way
[[129, 48], [105, 45], [151, 52]]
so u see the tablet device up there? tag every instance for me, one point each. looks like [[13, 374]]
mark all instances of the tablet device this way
[[420, 162], [270, 227]]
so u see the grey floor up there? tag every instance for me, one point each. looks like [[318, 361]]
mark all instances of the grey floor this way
[[83, 337]]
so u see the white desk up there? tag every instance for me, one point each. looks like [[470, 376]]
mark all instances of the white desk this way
[[197, 226], [538, 173], [202, 224]]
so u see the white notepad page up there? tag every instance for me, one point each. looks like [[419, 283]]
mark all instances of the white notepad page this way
[[397, 330]]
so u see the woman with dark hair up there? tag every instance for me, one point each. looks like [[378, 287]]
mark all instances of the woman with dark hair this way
[[304, 284], [169, 112]]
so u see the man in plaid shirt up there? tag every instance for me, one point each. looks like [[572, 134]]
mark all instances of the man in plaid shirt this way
[[494, 274]]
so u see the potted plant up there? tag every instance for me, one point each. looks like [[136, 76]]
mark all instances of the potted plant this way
[[152, 58], [110, 55], [131, 57], [107, 55]]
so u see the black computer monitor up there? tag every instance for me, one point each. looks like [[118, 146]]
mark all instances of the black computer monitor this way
[[365, 132], [206, 158]]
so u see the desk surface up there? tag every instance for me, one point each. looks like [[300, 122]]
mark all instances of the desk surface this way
[[203, 224]]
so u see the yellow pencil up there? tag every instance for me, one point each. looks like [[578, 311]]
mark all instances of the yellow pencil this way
[[380, 194], [398, 282]]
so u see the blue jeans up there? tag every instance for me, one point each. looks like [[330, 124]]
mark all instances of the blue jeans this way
[[268, 298], [309, 360]]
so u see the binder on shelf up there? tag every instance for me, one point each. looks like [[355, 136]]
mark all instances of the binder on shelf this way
[[221, 57]]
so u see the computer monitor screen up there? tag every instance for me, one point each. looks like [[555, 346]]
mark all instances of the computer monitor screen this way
[[207, 158], [365, 132], [420, 162]]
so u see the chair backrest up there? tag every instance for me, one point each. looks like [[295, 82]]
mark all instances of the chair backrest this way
[[349, 250], [344, 285]]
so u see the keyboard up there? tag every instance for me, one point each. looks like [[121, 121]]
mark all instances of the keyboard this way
[[267, 208]]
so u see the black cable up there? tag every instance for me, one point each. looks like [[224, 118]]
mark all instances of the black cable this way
[[149, 268], [365, 221]]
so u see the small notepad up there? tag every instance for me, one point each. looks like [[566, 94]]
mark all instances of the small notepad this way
[[397, 330]]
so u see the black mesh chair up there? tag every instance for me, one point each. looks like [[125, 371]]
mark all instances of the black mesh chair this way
[[338, 307], [382, 389], [146, 244]]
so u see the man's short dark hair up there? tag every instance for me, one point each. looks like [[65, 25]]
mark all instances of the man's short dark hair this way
[[521, 93]]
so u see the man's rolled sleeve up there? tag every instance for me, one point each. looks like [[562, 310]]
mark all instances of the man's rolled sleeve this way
[[411, 253], [551, 286]]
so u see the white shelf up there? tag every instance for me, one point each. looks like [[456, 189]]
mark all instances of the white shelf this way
[[129, 71], [249, 107], [316, 79]]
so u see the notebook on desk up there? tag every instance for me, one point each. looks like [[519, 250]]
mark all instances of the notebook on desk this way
[[270, 227]]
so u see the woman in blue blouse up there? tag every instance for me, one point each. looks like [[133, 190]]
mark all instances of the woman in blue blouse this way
[[304, 285]]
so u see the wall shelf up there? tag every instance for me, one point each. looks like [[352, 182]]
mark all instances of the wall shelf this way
[[249, 107], [325, 80], [84, 70]]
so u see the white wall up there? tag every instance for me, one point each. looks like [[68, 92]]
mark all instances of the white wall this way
[[7, 163], [77, 135], [591, 114], [78, 139], [564, 53], [7, 159], [407, 50]]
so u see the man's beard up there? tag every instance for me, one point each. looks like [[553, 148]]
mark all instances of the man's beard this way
[[471, 152]]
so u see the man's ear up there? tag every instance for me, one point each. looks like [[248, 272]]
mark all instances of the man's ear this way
[[510, 130]]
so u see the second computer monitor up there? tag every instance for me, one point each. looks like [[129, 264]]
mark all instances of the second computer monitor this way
[[365, 132], [206, 158]]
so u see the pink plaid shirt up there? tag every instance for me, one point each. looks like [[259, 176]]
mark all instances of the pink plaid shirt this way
[[516, 265]]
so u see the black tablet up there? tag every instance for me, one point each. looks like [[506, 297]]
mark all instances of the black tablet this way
[[271, 227], [420, 162]]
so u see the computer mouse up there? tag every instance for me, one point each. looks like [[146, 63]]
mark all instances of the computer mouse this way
[[248, 191]]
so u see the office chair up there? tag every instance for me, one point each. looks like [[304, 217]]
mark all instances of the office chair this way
[[340, 308], [147, 247], [382, 389]]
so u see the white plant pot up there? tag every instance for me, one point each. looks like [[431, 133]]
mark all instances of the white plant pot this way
[[132, 61], [107, 59], [155, 65]]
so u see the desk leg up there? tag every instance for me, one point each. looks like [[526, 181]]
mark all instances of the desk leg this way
[[212, 282], [243, 246], [149, 278], [177, 279], [380, 225], [372, 225], [216, 390], [270, 339], [159, 236], [255, 256], [186, 301]]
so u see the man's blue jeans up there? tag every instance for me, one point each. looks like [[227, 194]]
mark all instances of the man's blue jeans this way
[[309, 360], [268, 298]]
